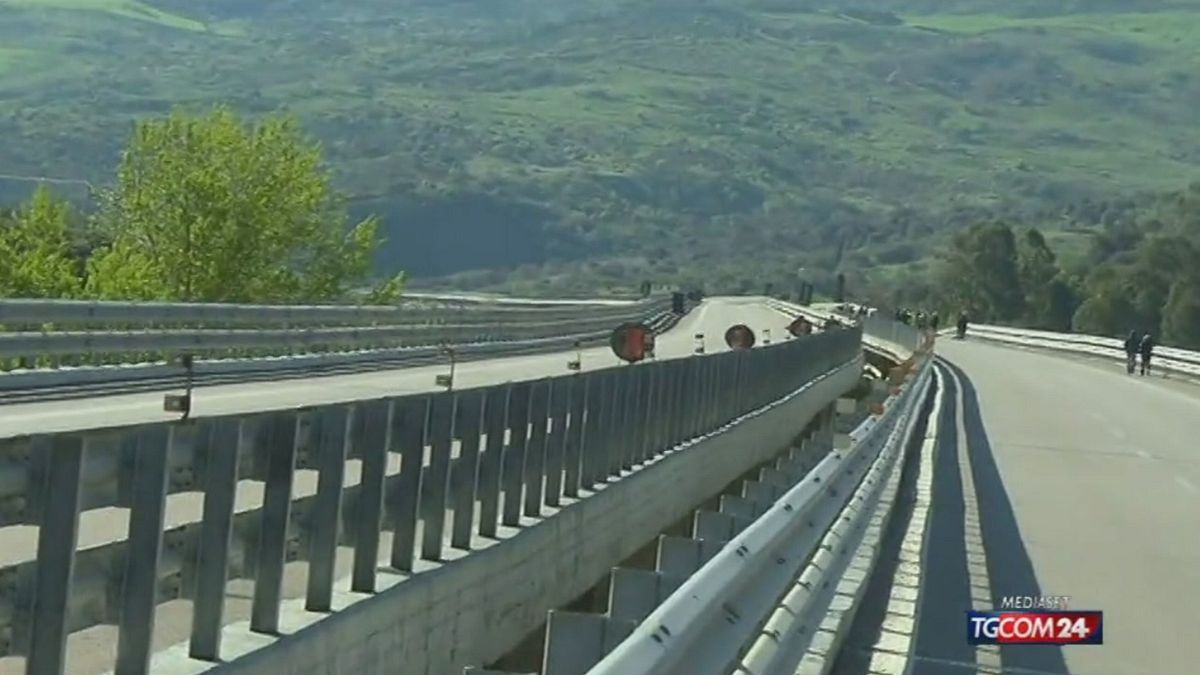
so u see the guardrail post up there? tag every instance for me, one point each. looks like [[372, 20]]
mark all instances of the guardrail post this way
[[535, 455], [740, 509], [279, 439], [334, 428], [410, 419], [679, 392], [678, 556], [573, 449], [228, 438], [636, 422], [139, 591], [739, 406], [632, 593], [575, 642], [467, 427], [760, 494], [495, 422], [614, 434], [377, 440], [694, 397], [592, 447], [651, 410], [632, 415], [652, 443], [61, 461], [716, 391], [704, 389], [560, 400], [436, 484], [514, 453]]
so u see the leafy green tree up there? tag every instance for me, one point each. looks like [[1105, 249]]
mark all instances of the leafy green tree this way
[[1181, 315], [1157, 264], [209, 208], [1049, 299], [35, 250], [1106, 308], [979, 273]]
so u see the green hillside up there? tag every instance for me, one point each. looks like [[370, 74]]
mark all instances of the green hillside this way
[[729, 141]]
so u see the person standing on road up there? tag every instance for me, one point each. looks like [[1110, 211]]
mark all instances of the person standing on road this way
[[1133, 344], [934, 320], [1147, 350]]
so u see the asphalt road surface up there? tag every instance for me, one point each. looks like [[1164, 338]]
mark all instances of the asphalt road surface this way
[[93, 650], [1079, 481], [712, 318]]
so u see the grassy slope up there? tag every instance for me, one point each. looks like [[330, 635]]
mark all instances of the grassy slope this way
[[660, 135]]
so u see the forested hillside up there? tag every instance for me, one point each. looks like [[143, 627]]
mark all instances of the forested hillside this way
[[1140, 272], [563, 145]]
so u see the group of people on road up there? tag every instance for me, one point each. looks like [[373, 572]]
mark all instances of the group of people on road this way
[[1137, 345], [918, 319], [930, 320]]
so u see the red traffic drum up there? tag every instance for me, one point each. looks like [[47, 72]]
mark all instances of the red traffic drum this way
[[739, 337], [632, 342], [800, 327]]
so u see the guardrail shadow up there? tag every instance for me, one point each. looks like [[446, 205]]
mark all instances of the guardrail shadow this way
[[946, 585], [1010, 569], [872, 616]]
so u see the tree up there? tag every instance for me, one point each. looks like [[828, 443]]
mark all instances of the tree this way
[[1049, 300], [1158, 262], [209, 208], [979, 273], [1181, 316], [1106, 310], [35, 250]]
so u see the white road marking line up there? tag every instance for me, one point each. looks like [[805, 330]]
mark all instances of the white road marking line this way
[[1143, 454], [1187, 484]]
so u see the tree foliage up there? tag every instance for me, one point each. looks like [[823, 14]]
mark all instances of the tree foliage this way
[[210, 208], [1181, 314], [1143, 273], [979, 273], [1048, 297], [35, 250]]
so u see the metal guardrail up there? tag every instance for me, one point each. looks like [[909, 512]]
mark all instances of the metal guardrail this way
[[511, 449], [712, 621], [1170, 359], [877, 330], [53, 360], [407, 312]]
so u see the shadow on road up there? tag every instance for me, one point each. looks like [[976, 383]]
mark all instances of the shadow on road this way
[[946, 586], [1010, 569]]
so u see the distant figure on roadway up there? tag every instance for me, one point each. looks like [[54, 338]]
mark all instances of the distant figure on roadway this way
[[1147, 350], [1133, 344], [962, 324], [934, 321]]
